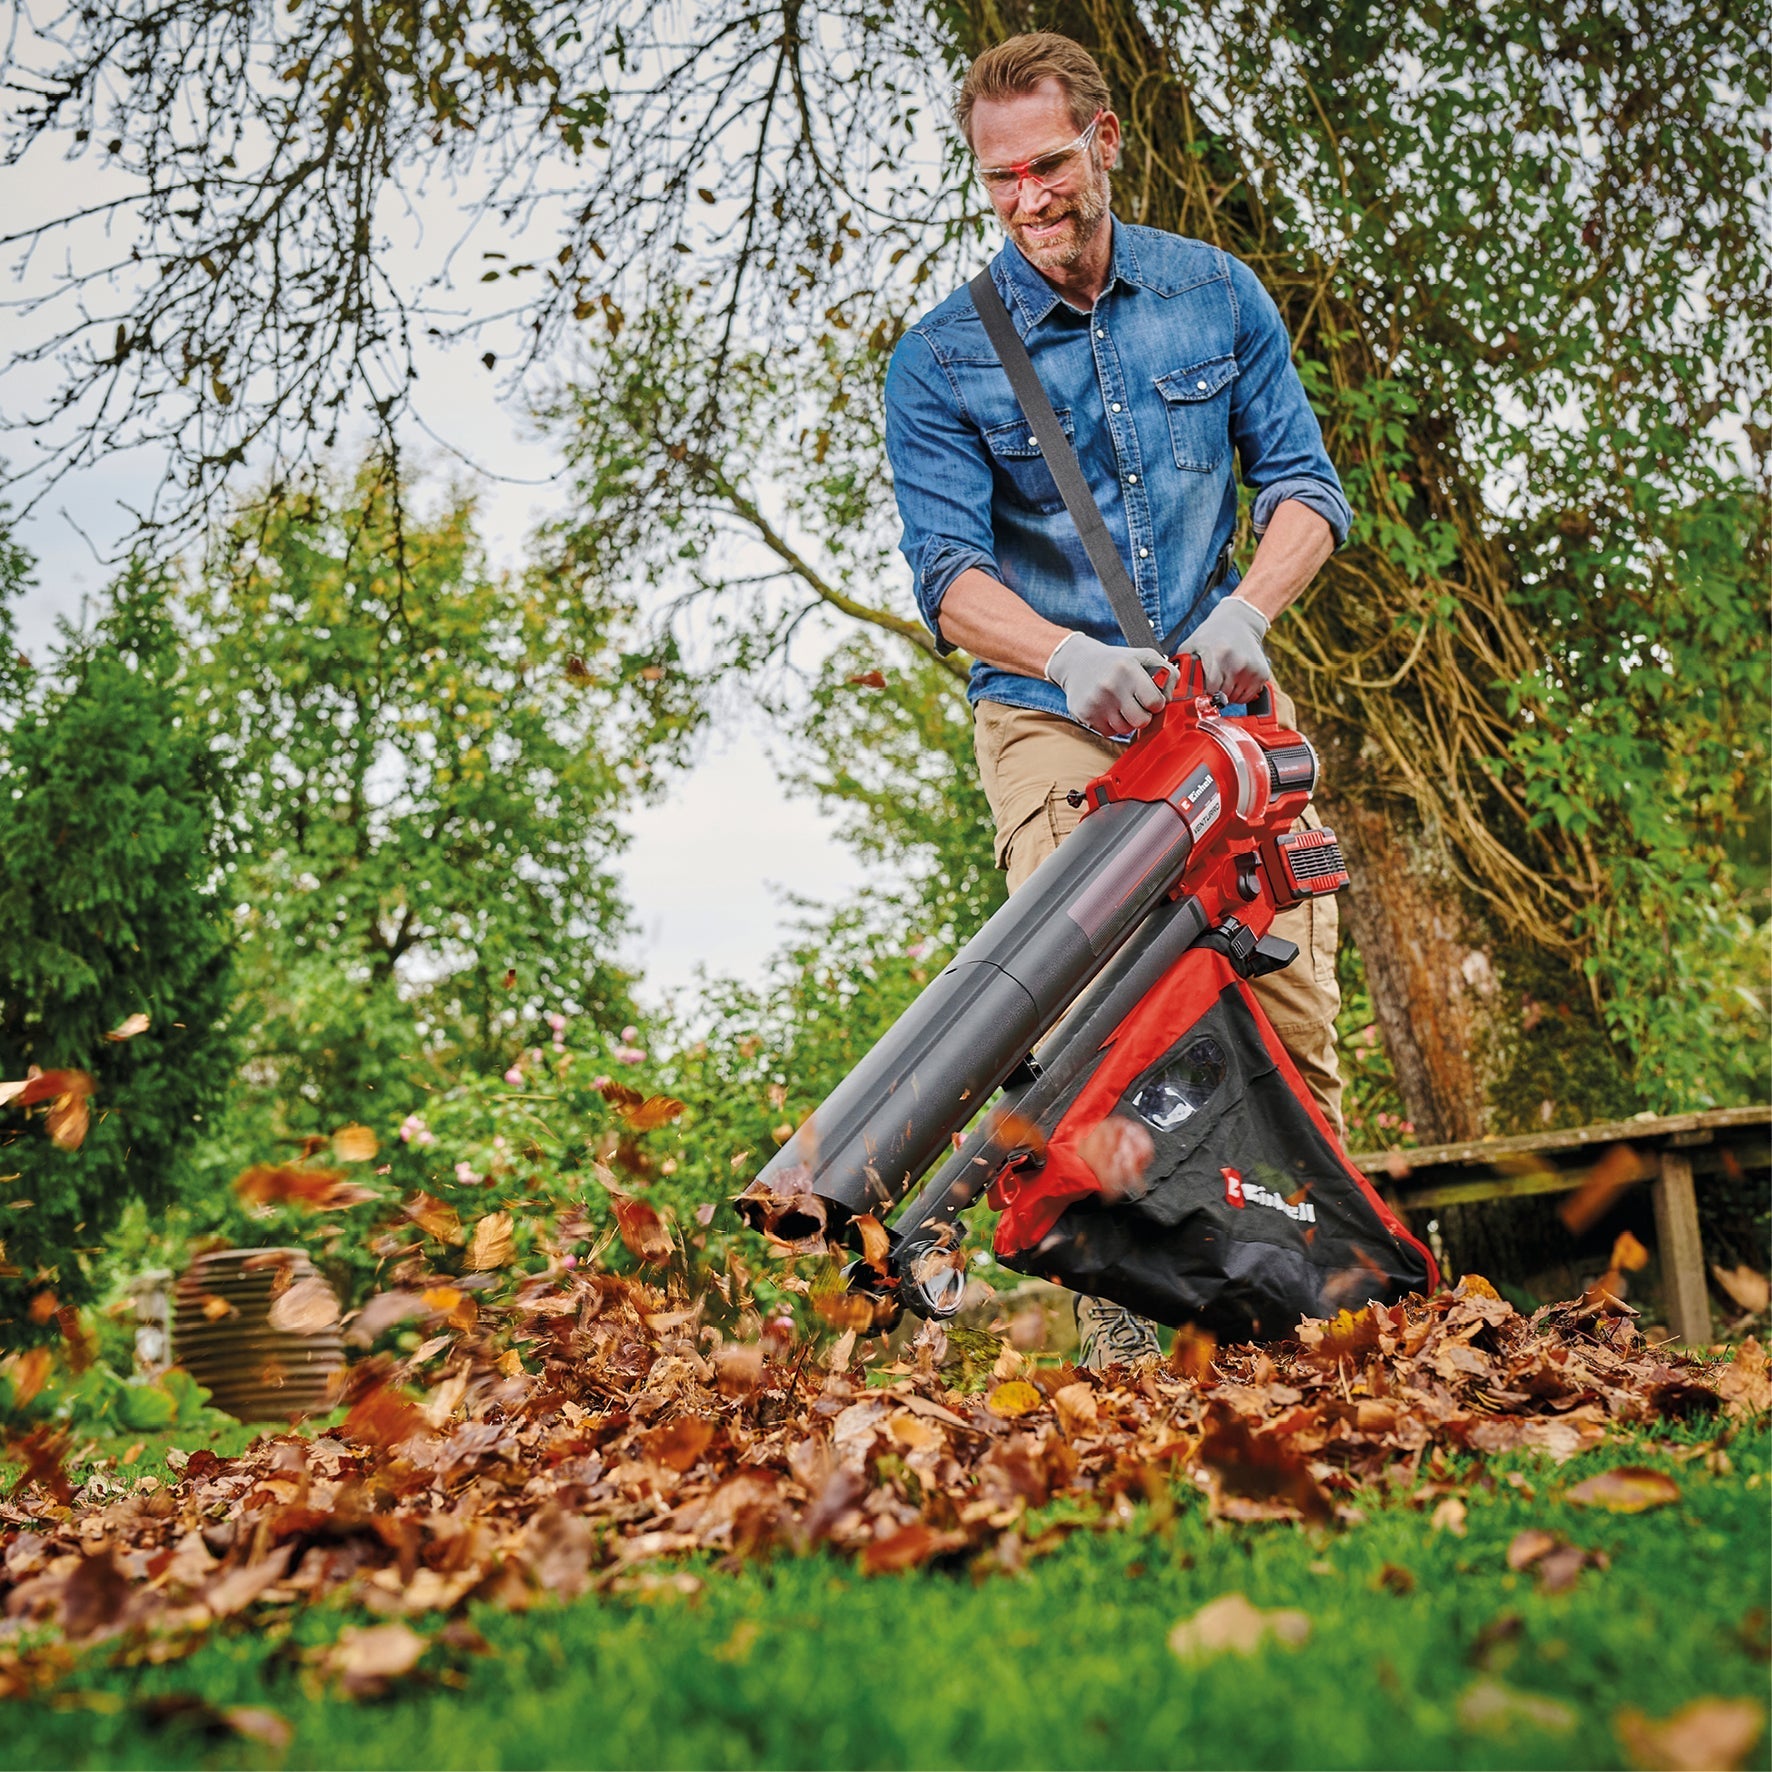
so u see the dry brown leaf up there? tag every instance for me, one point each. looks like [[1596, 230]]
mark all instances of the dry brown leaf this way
[[1487, 1707], [1528, 1546], [1192, 1352], [875, 1243], [1628, 1255], [435, 1218], [1075, 1407], [1119, 1152], [309, 1306], [1628, 1489], [492, 1244], [908, 1548], [366, 1657], [680, 1443], [1230, 1625], [1746, 1288], [868, 680], [1707, 1735], [354, 1144], [129, 1027], [642, 1229], [651, 1113], [1618, 1168], [290, 1184], [255, 1723], [1449, 1516]]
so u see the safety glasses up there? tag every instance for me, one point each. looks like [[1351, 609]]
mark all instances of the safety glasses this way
[[1046, 170]]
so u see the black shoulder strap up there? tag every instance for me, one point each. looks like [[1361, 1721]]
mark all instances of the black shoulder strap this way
[[1061, 459]]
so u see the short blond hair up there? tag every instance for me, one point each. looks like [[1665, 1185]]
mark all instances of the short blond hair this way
[[1019, 64]]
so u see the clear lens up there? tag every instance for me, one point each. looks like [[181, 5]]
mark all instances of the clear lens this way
[[1183, 1086]]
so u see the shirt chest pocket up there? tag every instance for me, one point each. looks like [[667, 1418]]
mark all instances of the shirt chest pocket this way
[[1198, 401], [1020, 461]]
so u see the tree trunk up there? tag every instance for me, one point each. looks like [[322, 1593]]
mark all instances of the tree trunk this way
[[1427, 972]]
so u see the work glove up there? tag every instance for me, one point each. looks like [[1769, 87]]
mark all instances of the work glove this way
[[1109, 688], [1228, 645]]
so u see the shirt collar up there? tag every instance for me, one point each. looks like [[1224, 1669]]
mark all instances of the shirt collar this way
[[1024, 288]]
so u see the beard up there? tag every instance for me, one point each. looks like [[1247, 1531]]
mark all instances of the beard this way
[[1084, 211]]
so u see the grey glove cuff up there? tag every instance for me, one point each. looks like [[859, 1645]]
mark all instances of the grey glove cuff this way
[[1241, 609]]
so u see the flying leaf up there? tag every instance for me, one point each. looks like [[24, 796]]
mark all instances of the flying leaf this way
[[66, 1096], [868, 680], [642, 1229], [309, 1306], [354, 1144], [875, 1243], [289, 1184], [1628, 1255], [434, 1217], [1119, 1151], [1746, 1288], [129, 1027], [578, 673], [648, 1115], [491, 1246], [1629, 1489]]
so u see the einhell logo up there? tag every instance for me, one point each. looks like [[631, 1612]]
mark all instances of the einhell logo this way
[[1241, 1193]]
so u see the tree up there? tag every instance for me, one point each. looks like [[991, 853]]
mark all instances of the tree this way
[[111, 864], [429, 759], [1524, 258]]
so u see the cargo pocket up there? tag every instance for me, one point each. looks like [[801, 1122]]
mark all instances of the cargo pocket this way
[[1199, 405], [1021, 462]]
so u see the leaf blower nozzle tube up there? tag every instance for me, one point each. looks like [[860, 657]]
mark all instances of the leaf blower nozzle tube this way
[[897, 1112]]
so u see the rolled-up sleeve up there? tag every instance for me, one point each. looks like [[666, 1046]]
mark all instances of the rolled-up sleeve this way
[[1279, 442], [941, 477]]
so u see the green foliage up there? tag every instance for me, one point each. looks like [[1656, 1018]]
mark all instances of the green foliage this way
[[426, 797], [110, 869], [1065, 1664]]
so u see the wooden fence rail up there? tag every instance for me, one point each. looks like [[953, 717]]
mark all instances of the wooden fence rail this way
[[1672, 1152]]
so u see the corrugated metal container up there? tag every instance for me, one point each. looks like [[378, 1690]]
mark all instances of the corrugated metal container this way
[[225, 1336]]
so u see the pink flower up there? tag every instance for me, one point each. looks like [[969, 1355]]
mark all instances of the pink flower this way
[[569, 1261], [498, 1144], [555, 1020], [629, 1035], [464, 1173], [629, 1055], [601, 1082], [513, 1076], [413, 1127]]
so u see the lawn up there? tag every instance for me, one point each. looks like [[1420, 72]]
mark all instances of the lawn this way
[[1424, 1648]]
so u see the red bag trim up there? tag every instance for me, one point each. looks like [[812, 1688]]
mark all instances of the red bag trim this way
[[1031, 1204]]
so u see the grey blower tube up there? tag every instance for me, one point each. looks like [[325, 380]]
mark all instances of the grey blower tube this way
[[897, 1111]]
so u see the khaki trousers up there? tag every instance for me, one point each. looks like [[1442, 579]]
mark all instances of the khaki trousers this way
[[1029, 761]]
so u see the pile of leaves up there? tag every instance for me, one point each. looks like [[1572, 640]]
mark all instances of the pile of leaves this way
[[586, 1428]]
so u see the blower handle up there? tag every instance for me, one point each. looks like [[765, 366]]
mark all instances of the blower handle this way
[[1193, 683]]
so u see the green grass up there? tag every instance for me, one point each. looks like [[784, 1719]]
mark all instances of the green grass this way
[[801, 1662]]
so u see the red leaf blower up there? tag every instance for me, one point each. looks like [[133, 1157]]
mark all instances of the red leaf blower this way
[[1154, 1143]]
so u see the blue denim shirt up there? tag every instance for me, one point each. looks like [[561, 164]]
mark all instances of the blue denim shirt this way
[[1184, 356]]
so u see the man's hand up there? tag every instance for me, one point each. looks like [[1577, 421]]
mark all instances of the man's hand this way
[[1228, 645], [1109, 688]]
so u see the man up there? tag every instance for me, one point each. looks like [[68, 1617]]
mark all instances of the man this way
[[1162, 358]]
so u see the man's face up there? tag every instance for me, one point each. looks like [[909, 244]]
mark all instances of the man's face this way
[[1054, 223]]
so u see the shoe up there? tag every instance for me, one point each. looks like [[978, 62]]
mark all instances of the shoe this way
[[1110, 1335]]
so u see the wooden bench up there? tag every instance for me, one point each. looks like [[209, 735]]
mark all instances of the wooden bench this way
[[1669, 1151]]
